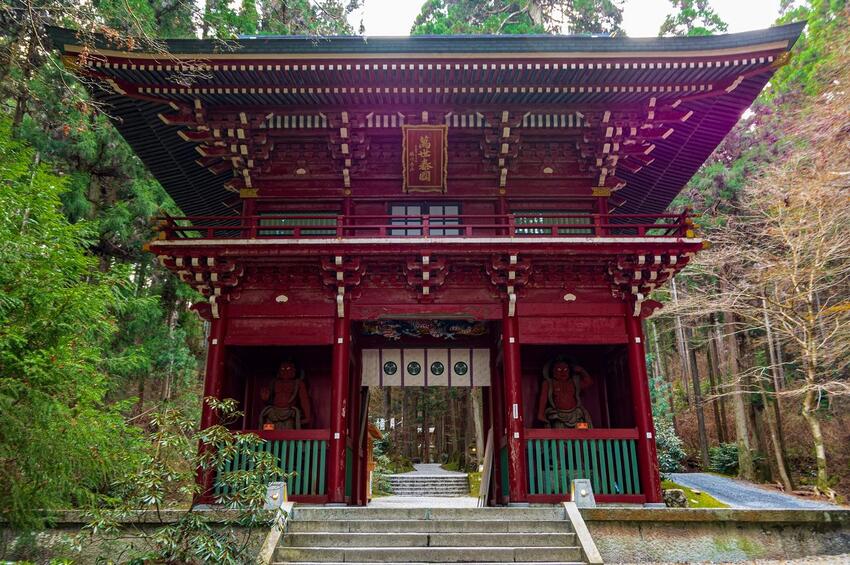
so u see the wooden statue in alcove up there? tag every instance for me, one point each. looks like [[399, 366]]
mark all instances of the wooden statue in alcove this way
[[287, 401], [559, 405]]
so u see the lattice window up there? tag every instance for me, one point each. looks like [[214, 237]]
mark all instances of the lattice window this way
[[289, 220], [536, 220]]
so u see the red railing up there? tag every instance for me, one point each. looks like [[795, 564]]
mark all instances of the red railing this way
[[519, 225]]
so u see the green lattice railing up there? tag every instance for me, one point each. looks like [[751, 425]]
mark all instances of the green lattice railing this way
[[304, 458], [607, 457]]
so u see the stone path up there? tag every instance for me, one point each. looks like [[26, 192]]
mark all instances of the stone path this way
[[741, 494], [843, 559], [430, 469]]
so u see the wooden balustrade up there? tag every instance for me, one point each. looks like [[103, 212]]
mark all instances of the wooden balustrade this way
[[607, 457], [369, 226], [301, 453]]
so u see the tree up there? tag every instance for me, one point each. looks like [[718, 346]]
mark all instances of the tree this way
[[692, 17], [161, 475], [60, 443], [444, 17], [790, 236]]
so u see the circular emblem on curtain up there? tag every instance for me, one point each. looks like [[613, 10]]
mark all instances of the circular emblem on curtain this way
[[437, 368], [414, 368], [461, 368], [390, 368]]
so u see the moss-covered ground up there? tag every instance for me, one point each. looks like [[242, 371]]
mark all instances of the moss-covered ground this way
[[701, 500]]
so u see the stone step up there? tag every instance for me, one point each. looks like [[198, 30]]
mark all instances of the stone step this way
[[428, 479], [428, 554], [319, 513], [385, 539], [424, 489], [431, 526]]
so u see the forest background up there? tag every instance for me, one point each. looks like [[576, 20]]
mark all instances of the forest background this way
[[749, 359]]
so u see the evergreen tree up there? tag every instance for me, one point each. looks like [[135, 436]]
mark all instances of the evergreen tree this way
[[60, 443], [692, 17], [444, 17]]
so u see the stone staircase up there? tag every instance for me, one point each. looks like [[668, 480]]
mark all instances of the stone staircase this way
[[429, 535], [419, 484]]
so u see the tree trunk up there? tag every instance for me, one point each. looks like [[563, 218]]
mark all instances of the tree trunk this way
[[681, 345], [778, 454], [746, 469], [712, 384], [703, 436], [722, 370], [665, 376], [809, 407], [776, 432]]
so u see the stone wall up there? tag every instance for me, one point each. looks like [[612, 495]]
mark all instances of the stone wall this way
[[639, 535]]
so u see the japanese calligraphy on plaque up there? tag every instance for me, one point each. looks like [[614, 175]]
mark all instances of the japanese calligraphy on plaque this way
[[425, 157]]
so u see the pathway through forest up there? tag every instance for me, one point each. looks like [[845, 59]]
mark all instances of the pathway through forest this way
[[742, 494]]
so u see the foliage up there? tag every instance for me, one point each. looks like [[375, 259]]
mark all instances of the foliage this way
[[695, 500], [724, 459], [163, 475], [60, 443], [693, 17], [445, 17], [669, 446]]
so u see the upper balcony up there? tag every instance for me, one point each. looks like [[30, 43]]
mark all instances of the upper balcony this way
[[528, 227]]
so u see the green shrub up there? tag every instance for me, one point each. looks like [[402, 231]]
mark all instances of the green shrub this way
[[669, 445], [724, 459]]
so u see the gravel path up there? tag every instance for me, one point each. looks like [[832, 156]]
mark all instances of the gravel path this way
[[741, 494]]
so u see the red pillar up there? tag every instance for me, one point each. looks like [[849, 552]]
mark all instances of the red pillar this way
[[340, 359], [213, 382], [517, 472], [650, 479]]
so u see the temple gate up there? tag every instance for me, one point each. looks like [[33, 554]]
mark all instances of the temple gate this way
[[515, 183]]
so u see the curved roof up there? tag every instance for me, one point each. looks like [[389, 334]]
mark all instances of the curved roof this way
[[710, 80]]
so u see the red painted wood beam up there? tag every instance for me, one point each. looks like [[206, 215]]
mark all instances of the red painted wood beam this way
[[517, 472], [213, 381], [648, 471], [340, 361]]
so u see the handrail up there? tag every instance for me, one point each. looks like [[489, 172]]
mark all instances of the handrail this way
[[289, 435], [517, 224], [593, 433]]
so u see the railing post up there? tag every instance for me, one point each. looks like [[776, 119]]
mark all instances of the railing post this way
[[511, 225], [426, 227], [597, 225], [340, 226], [252, 226]]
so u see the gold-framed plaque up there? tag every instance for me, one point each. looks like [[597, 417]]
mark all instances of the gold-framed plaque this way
[[424, 158]]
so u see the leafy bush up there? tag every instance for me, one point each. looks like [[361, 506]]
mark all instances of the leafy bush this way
[[669, 445], [724, 458], [164, 476]]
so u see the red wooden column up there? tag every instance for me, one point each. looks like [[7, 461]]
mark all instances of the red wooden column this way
[[517, 472], [213, 382], [340, 361], [650, 479]]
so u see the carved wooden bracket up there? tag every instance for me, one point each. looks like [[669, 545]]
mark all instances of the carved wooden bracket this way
[[634, 277], [508, 274], [425, 274], [214, 277], [343, 277]]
